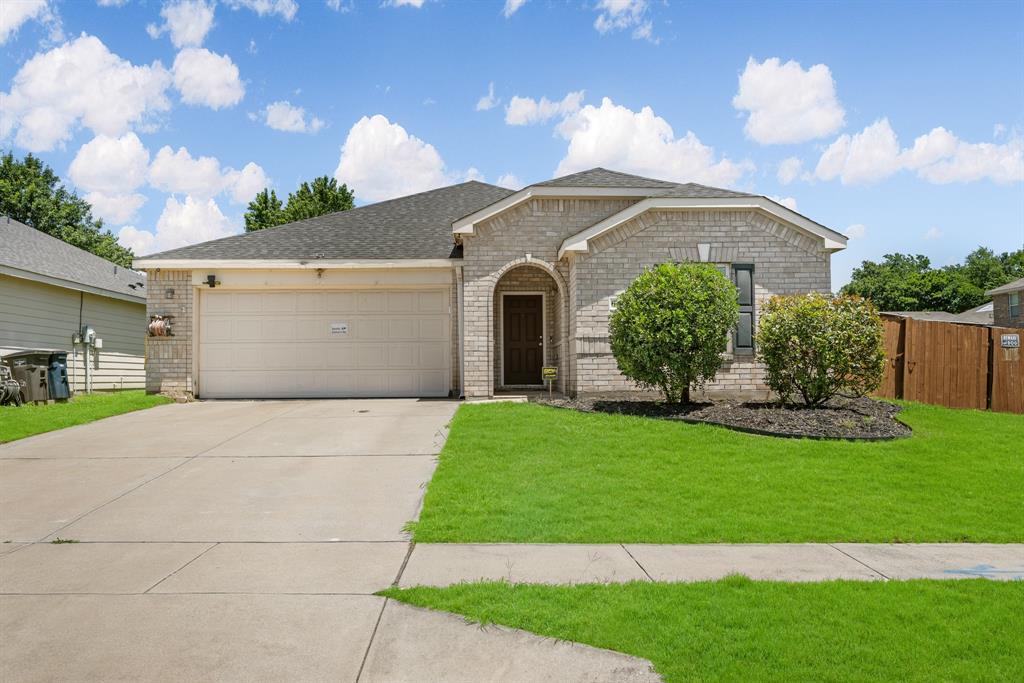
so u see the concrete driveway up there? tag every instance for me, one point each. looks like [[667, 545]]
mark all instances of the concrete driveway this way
[[239, 540]]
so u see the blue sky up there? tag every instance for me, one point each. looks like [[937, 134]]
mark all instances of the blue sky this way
[[898, 123]]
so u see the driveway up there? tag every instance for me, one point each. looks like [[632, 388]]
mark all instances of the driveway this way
[[240, 540]]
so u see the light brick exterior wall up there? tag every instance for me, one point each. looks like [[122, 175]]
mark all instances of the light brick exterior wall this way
[[785, 262], [1001, 311], [537, 228], [169, 359]]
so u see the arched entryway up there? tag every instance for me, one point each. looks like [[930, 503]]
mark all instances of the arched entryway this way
[[529, 326]]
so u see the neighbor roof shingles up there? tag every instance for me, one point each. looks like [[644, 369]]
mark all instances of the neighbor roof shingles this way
[[602, 177], [24, 248], [415, 227]]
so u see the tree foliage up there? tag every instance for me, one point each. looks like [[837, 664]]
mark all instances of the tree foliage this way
[[310, 200], [30, 192], [817, 346], [905, 282], [671, 326]]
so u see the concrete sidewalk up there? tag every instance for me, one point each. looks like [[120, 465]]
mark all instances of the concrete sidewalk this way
[[446, 564]]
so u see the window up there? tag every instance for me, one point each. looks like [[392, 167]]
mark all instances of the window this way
[[743, 276], [1014, 305]]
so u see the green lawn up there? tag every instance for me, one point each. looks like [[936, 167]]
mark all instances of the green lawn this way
[[529, 473], [741, 630], [17, 423]]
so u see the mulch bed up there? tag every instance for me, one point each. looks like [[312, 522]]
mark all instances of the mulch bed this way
[[840, 418]]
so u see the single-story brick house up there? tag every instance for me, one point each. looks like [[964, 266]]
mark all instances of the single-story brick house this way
[[466, 290]]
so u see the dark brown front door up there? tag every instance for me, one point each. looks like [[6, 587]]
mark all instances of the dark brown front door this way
[[523, 340]]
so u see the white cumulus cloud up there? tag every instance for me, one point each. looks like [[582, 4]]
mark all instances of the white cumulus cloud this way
[[938, 156], [933, 234], [488, 101], [787, 103], [789, 170], [617, 15], [205, 78], [180, 224], [14, 14], [188, 22], [79, 83], [405, 3], [641, 142], [511, 7], [285, 9], [178, 172], [245, 184], [284, 116], [381, 160], [109, 164], [511, 181], [115, 208], [788, 202], [856, 231], [523, 111]]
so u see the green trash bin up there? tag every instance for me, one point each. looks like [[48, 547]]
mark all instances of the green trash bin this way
[[30, 369]]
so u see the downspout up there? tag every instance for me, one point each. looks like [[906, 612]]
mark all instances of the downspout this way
[[460, 286]]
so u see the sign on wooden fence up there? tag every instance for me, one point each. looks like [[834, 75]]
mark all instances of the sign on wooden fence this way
[[952, 364]]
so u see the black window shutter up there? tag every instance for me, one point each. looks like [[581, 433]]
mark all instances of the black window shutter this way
[[743, 275]]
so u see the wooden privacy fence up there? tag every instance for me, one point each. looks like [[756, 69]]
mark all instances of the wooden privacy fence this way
[[952, 364]]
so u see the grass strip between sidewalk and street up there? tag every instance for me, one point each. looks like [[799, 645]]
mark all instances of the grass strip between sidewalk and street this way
[[742, 630]]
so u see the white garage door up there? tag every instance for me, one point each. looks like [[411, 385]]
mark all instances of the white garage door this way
[[307, 344]]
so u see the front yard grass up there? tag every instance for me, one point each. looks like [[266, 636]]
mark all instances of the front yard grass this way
[[527, 473], [742, 630], [29, 419]]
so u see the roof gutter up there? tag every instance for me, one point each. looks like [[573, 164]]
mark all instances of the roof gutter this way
[[289, 264]]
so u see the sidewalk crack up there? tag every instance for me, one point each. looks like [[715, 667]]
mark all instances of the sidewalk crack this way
[[649, 577], [205, 550], [366, 655], [858, 561]]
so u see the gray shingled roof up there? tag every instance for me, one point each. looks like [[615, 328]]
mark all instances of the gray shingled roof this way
[[1008, 287], [602, 177], [415, 227], [23, 248]]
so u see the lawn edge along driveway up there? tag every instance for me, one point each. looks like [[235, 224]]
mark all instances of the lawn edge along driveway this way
[[30, 419], [738, 629], [524, 473]]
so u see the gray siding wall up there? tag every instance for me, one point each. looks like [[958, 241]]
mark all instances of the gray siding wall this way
[[37, 315]]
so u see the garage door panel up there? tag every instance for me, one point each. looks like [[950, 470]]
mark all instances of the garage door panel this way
[[341, 302], [433, 302], [373, 343]]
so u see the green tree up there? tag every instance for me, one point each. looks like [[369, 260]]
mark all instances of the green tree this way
[[30, 192], [987, 270], [818, 346], [905, 282], [671, 326], [310, 200], [265, 211]]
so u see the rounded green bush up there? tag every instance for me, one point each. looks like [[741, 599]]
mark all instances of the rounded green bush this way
[[818, 346], [671, 326]]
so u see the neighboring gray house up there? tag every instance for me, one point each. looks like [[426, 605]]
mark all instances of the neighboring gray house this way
[[50, 290], [1006, 304], [464, 290]]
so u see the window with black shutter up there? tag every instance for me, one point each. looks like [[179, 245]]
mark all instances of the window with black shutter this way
[[743, 276]]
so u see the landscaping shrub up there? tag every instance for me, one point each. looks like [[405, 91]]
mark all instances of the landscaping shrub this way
[[671, 326], [818, 346]]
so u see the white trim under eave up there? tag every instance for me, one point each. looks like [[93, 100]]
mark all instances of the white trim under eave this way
[[68, 284], [288, 264], [579, 242], [464, 226]]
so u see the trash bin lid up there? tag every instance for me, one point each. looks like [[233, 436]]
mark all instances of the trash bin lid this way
[[34, 352]]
